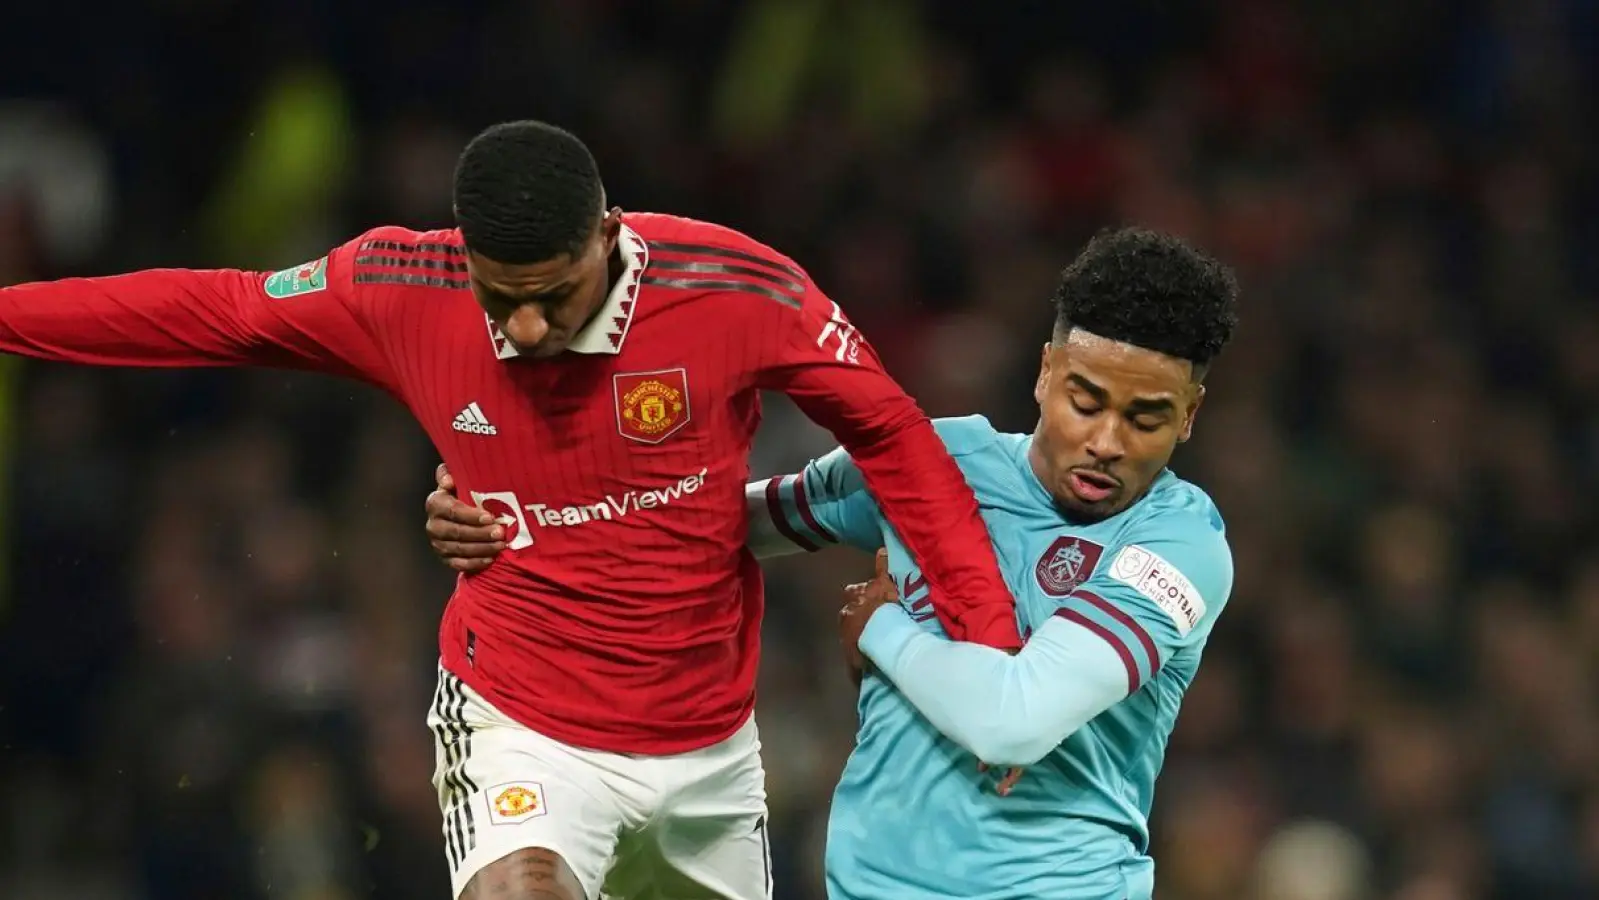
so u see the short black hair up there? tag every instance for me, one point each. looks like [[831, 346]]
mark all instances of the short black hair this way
[[527, 192], [1150, 290]]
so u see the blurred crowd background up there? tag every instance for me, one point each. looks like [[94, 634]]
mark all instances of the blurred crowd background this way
[[217, 626]]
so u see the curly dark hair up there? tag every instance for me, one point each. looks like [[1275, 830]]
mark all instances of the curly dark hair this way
[[1150, 290], [527, 192]]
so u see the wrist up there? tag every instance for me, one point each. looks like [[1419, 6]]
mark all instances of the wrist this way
[[886, 635]]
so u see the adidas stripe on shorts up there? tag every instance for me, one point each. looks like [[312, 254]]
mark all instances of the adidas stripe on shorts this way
[[687, 826]]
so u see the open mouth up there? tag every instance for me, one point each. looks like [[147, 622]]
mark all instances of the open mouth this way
[[1092, 486]]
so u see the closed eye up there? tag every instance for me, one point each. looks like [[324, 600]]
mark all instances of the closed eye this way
[[552, 297]]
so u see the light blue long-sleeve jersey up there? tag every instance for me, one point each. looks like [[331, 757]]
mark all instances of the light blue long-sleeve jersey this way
[[1116, 614]]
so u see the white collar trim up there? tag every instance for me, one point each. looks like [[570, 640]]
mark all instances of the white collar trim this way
[[608, 330]]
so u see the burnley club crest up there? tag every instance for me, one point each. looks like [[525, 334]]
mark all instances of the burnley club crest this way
[[1067, 563]]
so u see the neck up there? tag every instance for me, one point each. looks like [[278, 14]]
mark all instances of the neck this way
[[1035, 459], [614, 267]]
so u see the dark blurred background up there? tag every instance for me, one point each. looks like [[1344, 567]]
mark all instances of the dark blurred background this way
[[217, 629]]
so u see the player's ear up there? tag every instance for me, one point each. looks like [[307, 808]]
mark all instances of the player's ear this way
[[611, 228], [1041, 387], [1193, 410]]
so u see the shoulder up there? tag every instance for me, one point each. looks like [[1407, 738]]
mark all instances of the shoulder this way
[[674, 236], [1175, 507], [994, 463], [701, 261], [395, 256], [964, 438], [970, 435], [1179, 515], [1174, 549]]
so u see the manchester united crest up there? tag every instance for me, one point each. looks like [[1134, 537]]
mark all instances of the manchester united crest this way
[[511, 803], [651, 406], [1067, 563]]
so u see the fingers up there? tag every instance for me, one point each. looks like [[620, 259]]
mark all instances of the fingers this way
[[442, 529], [882, 586], [1008, 783], [438, 504], [445, 480], [468, 566], [465, 541], [467, 538], [443, 505]]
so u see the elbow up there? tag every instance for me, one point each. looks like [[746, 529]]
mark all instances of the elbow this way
[[1009, 740], [879, 435], [904, 416], [1012, 746]]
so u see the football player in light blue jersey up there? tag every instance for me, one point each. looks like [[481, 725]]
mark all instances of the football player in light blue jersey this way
[[1119, 567]]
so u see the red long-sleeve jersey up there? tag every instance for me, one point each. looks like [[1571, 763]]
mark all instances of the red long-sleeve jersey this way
[[625, 615]]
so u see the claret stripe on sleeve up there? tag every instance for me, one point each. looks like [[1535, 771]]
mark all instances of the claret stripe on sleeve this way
[[1115, 627], [415, 264], [790, 509], [701, 267]]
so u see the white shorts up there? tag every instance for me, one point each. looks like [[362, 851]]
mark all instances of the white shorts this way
[[686, 827]]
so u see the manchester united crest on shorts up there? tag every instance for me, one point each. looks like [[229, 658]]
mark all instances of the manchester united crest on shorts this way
[[651, 406], [511, 804], [1067, 563]]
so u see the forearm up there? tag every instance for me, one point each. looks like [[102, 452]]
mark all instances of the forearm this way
[[1004, 709], [923, 494], [159, 318], [767, 538], [821, 362]]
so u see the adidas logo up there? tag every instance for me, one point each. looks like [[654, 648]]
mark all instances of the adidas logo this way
[[472, 421]]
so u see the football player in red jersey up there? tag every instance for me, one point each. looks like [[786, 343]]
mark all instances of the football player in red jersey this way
[[592, 378]]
